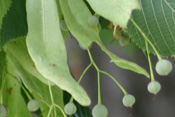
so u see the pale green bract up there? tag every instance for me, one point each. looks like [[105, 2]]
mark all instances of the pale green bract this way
[[47, 49], [117, 11], [86, 34], [70, 108], [99, 110], [128, 100]]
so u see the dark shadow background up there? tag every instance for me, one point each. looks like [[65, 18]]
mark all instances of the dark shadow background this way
[[163, 106]]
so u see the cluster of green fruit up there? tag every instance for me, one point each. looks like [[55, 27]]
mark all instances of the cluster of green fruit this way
[[99, 110], [163, 67]]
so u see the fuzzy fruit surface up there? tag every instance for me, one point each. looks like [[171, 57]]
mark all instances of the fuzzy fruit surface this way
[[3, 111], [154, 87], [33, 105], [99, 111], [128, 100], [70, 108], [93, 21], [163, 67]]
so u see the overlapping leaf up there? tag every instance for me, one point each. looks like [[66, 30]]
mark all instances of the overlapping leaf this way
[[17, 51], [14, 23], [4, 6], [18, 57], [157, 21], [117, 11], [12, 97], [76, 15], [47, 49]]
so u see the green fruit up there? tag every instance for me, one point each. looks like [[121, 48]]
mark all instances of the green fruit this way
[[100, 111], [163, 67], [154, 87], [63, 25], [3, 111], [93, 21], [33, 105], [128, 100], [70, 108]]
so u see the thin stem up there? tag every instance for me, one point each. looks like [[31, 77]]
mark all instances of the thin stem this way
[[98, 76], [50, 110], [115, 26], [99, 88], [146, 38], [60, 110], [51, 96], [123, 90], [92, 61], [84, 72], [149, 60], [71, 99]]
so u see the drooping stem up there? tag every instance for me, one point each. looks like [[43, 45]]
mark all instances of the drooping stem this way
[[52, 100], [86, 69], [121, 87], [146, 38], [149, 61], [103, 72], [99, 88]]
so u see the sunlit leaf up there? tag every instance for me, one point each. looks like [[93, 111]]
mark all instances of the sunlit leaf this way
[[47, 49]]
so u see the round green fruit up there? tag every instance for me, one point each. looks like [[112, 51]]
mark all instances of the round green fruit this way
[[70, 108], [93, 20], [99, 111], [33, 105], [163, 67], [154, 87], [128, 100]]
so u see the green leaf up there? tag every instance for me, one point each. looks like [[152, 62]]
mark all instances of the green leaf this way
[[16, 50], [4, 6], [14, 23], [117, 11], [157, 21], [47, 49], [76, 15], [12, 97], [18, 56], [2, 68]]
